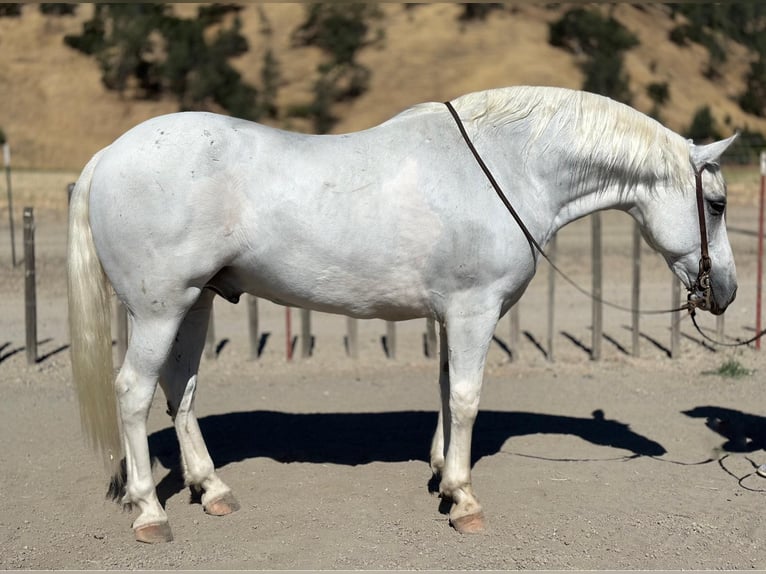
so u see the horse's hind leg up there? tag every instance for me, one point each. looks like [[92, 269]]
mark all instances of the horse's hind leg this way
[[179, 382], [440, 441], [136, 383]]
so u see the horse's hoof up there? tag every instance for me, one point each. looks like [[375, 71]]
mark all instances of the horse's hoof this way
[[154, 533], [469, 524], [222, 506]]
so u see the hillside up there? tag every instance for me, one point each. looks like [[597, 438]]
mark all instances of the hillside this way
[[56, 113]]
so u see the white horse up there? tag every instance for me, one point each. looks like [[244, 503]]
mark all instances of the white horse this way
[[395, 222]]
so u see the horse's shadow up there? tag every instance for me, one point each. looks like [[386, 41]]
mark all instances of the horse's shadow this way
[[361, 438], [744, 432]]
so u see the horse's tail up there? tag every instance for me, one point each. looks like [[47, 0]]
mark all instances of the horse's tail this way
[[90, 329]]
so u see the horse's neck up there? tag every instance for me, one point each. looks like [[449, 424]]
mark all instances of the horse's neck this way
[[577, 187], [588, 196]]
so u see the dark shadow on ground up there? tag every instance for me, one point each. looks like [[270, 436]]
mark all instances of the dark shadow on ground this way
[[744, 432], [361, 438]]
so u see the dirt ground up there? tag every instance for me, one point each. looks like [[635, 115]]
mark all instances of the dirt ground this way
[[628, 462]]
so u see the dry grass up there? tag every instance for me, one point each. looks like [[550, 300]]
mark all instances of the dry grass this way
[[57, 114]]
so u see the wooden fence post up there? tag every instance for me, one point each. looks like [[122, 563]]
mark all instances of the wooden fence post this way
[[391, 339], [515, 338], [288, 333], [597, 309], [551, 294], [30, 293], [636, 297], [305, 333], [252, 326], [352, 337]]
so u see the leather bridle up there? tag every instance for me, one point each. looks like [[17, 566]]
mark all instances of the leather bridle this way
[[701, 293]]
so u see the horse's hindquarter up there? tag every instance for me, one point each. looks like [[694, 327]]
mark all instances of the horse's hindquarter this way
[[374, 224]]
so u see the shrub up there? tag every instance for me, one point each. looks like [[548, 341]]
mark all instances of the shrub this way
[[586, 31], [703, 126], [10, 10], [146, 48], [478, 10], [340, 31], [602, 41], [753, 99], [58, 9]]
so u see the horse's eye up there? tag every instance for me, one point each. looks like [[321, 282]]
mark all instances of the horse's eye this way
[[717, 206]]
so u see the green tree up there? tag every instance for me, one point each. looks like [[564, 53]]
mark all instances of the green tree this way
[[478, 10], [601, 42], [659, 93], [586, 31], [145, 51], [703, 126], [340, 30], [604, 74], [10, 9], [58, 9], [270, 76], [753, 99]]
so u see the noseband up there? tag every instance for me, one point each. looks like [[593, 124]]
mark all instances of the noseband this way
[[701, 293]]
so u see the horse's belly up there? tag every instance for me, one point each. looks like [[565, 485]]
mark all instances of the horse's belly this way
[[399, 294]]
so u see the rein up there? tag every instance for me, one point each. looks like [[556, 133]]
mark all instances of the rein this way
[[702, 284]]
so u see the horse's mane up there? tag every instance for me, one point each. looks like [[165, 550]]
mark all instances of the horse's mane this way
[[626, 146]]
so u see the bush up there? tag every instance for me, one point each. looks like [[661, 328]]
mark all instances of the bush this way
[[604, 75], [146, 48], [478, 10], [753, 100], [340, 31], [10, 10], [602, 41], [58, 9], [658, 92], [703, 126], [586, 31]]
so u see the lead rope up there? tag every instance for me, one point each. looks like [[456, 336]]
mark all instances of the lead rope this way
[[534, 245], [723, 343]]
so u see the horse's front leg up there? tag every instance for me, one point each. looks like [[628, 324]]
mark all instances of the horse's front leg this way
[[468, 339]]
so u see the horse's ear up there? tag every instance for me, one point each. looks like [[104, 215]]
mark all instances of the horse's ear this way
[[710, 153]]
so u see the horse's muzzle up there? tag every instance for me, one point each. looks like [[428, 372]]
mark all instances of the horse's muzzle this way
[[702, 298]]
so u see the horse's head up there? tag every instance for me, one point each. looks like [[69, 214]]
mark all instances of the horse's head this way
[[670, 221]]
